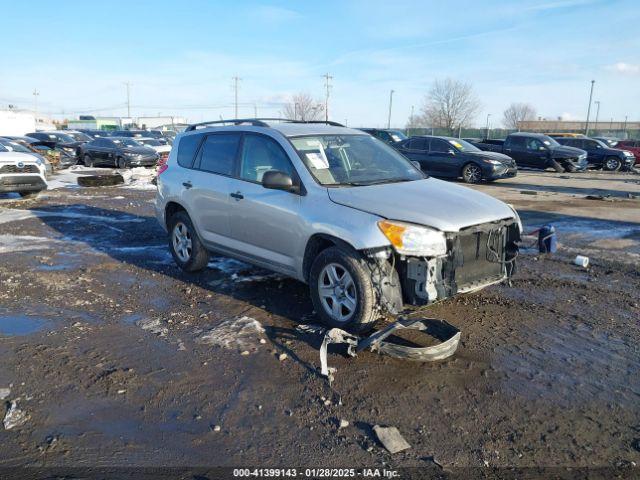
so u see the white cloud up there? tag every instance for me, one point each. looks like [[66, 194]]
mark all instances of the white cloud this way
[[624, 68]]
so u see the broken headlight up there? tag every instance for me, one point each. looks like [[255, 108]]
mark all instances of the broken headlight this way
[[409, 239]]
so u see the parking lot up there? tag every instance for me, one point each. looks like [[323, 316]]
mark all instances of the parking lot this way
[[115, 356]]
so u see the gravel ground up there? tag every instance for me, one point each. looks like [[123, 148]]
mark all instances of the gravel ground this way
[[115, 357]]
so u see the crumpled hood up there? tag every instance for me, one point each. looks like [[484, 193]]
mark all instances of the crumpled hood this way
[[430, 202], [567, 152], [139, 150]]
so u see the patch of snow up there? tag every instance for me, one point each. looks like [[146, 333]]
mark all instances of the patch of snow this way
[[24, 243], [4, 393], [239, 333], [138, 178], [8, 215], [234, 267], [153, 325], [14, 417]]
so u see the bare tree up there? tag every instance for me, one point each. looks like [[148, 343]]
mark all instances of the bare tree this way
[[450, 104], [518, 112], [303, 107]]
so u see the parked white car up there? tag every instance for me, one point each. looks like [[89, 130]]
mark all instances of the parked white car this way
[[21, 173], [163, 150]]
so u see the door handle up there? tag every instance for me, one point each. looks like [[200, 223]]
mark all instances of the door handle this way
[[237, 195], [187, 184]]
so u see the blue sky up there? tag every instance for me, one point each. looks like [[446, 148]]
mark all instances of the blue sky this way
[[180, 56]]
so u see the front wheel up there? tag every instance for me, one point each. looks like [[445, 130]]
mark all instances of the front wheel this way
[[342, 290], [612, 164], [121, 162], [88, 161], [472, 173], [185, 246]]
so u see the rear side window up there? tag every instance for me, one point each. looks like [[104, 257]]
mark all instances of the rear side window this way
[[517, 142], [438, 145], [418, 144], [187, 149], [218, 153]]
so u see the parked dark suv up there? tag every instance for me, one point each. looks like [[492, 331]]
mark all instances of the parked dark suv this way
[[386, 135], [121, 152], [599, 154], [454, 158]]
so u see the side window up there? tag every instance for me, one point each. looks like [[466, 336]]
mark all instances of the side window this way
[[261, 154], [384, 136], [218, 153], [187, 148], [519, 143], [590, 144], [440, 146], [418, 143], [533, 144]]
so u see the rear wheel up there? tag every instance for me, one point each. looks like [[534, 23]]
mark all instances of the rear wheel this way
[[612, 164], [185, 245], [472, 173], [341, 290]]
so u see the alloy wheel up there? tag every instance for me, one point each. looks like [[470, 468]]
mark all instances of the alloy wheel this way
[[182, 245], [337, 292], [473, 174]]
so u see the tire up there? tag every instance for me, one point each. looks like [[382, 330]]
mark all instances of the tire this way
[[472, 173], [185, 245], [121, 162], [556, 166], [353, 306], [87, 160], [612, 164]]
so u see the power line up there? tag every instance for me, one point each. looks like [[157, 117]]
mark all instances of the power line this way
[[327, 86]]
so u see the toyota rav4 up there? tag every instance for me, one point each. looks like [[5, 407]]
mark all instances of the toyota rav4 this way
[[21, 172], [335, 208]]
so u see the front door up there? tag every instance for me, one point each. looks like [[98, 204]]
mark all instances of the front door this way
[[442, 157], [265, 223]]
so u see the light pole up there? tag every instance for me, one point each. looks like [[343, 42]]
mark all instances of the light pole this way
[[586, 127], [624, 130], [390, 103], [595, 124], [35, 101], [488, 115]]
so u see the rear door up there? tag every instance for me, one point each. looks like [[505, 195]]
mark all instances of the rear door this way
[[207, 186], [417, 149], [442, 158], [516, 148], [265, 224]]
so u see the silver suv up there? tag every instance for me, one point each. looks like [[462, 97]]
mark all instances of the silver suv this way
[[335, 208]]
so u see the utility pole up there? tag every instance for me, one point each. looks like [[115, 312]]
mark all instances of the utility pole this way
[[390, 104], [410, 121], [586, 127], [597, 102], [128, 85], [255, 110], [236, 79], [488, 115], [36, 93], [624, 130], [327, 86]]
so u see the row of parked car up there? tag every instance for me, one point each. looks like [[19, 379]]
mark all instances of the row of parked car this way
[[476, 160], [26, 161]]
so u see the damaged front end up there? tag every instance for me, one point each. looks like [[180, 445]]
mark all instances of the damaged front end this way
[[475, 257]]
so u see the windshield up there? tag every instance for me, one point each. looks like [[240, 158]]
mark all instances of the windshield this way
[[152, 142], [463, 146], [14, 146], [79, 136], [353, 160], [548, 141], [61, 137], [397, 135], [126, 142]]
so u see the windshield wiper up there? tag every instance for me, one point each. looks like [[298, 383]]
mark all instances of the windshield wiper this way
[[380, 182]]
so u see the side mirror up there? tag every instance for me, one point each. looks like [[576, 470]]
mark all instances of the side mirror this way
[[276, 180], [417, 165]]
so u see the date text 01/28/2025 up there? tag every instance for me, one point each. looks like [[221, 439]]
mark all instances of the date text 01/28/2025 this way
[[315, 473]]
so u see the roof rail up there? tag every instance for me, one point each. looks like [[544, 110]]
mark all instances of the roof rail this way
[[257, 122]]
